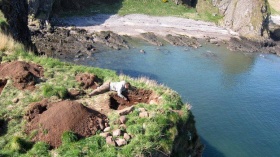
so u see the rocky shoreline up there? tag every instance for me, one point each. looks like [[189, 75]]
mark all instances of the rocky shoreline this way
[[81, 37]]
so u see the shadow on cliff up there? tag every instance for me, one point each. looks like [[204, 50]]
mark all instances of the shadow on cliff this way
[[3, 127], [191, 3], [4, 28], [275, 34], [209, 150], [105, 8]]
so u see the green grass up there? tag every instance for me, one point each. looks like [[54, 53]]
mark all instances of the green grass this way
[[274, 11], [148, 7], [2, 18], [155, 8], [274, 6]]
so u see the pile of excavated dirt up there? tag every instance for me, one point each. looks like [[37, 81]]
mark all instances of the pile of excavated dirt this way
[[134, 97], [51, 120], [88, 80], [24, 75]]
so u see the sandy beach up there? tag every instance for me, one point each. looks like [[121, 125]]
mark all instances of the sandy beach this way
[[135, 24]]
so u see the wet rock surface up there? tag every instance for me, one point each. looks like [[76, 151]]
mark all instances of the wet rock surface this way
[[246, 45], [182, 41], [151, 38], [72, 43], [63, 43]]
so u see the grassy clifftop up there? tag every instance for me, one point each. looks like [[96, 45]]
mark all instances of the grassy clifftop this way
[[169, 128]]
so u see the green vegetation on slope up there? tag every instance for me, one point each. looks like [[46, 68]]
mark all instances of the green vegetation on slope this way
[[150, 135], [274, 6], [2, 19], [149, 7]]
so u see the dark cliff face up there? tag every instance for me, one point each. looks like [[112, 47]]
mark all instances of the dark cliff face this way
[[44, 9], [15, 11]]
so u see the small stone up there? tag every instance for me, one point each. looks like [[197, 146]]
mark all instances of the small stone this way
[[153, 102], [126, 136], [110, 141], [117, 133], [104, 134], [126, 110], [123, 119], [106, 125], [142, 109], [120, 142], [213, 41], [15, 100], [101, 125], [143, 114], [142, 51], [107, 129]]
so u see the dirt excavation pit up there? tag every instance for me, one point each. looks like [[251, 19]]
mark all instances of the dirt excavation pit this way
[[51, 120], [24, 75], [134, 97]]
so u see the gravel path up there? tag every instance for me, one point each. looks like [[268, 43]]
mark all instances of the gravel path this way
[[135, 24]]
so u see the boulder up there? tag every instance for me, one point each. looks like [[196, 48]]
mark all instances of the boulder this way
[[110, 141], [105, 134], [122, 119], [126, 111], [107, 129], [120, 142], [126, 136], [117, 133]]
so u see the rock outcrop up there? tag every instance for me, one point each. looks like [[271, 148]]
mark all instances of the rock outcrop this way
[[15, 12], [250, 18]]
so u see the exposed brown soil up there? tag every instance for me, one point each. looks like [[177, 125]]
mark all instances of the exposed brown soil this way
[[88, 80], [24, 75], [51, 120], [134, 97]]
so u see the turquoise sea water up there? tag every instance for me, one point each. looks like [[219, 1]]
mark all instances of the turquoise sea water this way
[[235, 97]]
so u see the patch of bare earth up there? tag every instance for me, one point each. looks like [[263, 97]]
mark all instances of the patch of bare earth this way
[[88, 80], [51, 120], [24, 75]]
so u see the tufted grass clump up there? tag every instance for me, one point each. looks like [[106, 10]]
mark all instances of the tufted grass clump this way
[[17, 144], [39, 149], [50, 90], [68, 137]]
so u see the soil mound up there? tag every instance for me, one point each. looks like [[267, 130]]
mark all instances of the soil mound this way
[[88, 80], [51, 120], [24, 75], [134, 97]]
